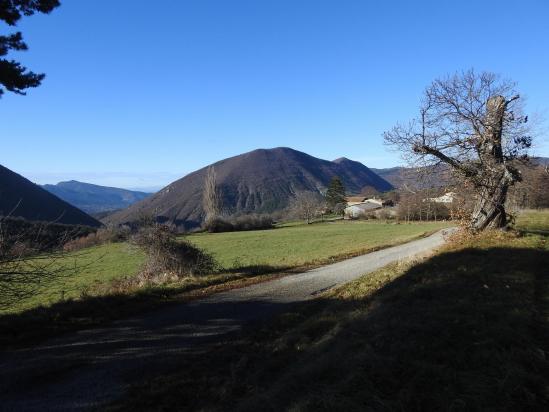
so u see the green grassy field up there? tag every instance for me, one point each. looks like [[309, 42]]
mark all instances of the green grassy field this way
[[85, 270], [268, 250], [299, 245], [466, 329], [533, 220]]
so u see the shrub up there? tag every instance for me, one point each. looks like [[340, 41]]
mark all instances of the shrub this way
[[101, 236], [385, 214], [167, 257], [36, 237], [218, 225], [240, 223], [253, 222]]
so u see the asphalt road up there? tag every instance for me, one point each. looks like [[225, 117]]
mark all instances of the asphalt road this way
[[83, 370]]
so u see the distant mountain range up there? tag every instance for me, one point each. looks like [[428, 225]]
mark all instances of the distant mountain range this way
[[425, 177], [19, 197], [542, 161], [260, 181], [416, 178], [95, 199]]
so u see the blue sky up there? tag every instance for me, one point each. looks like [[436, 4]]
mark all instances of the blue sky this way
[[139, 93]]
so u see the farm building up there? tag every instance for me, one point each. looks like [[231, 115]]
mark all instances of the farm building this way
[[358, 206], [446, 198], [357, 210], [355, 200]]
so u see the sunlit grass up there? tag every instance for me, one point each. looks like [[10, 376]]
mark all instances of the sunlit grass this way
[[306, 244], [83, 270], [536, 220], [285, 247]]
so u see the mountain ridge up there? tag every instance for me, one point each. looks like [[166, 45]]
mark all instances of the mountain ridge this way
[[93, 198], [429, 176], [19, 197], [259, 181]]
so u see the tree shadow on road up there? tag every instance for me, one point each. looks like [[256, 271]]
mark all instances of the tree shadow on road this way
[[465, 330], [91, 311]]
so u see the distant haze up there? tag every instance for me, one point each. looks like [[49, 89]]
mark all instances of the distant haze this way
[[142, 182]]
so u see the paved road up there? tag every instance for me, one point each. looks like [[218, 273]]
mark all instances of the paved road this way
[[83, 370]]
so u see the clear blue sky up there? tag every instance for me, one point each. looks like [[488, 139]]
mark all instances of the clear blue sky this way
[[139, 93]]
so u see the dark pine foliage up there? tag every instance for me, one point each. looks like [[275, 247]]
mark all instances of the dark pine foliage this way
[[335, 194], [13, 76]]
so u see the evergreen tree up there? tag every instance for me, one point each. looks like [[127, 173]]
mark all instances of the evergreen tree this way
[[335, 194], [13, 76]]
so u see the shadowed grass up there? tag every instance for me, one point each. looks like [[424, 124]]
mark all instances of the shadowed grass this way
[[465, 330], [86, 270], [99, 293]]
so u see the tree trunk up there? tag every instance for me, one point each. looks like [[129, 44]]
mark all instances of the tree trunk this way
[[490, 211]]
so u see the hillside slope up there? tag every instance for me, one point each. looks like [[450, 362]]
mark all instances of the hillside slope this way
[[20, 197], [94, 198], [416, 178], [260, 181], [431, 176]]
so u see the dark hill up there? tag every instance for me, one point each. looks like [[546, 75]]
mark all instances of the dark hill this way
[[260, 181], [20, 197], [94, 198]]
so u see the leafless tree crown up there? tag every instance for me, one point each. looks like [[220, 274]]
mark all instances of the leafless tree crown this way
[[28, 261], [211, 201], [474, 123], [307, 205]]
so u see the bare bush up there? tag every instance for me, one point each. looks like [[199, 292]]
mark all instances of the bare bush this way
[[420, 206], [240, 223], [101, 236], [211, 200], [30, 256], [307, 205], [385, 214], [168, 257], [533, 191]]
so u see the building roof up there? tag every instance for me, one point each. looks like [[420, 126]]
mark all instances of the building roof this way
[[355, 199], [364, 206]]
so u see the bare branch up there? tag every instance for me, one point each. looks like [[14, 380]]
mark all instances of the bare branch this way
[[475, 124]]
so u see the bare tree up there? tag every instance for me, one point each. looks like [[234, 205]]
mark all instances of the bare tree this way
[[211, 201], [475, 124], [29, 259], [307, 205]]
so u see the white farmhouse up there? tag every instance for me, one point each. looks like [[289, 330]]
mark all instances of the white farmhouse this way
[[445, 198], [360, 209]]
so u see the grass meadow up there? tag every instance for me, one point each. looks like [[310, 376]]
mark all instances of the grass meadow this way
[[466, 329], [250, 252], [533, 220], [302, 245], [96, 291]]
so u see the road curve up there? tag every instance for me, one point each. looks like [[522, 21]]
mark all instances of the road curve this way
[[83, 370]]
